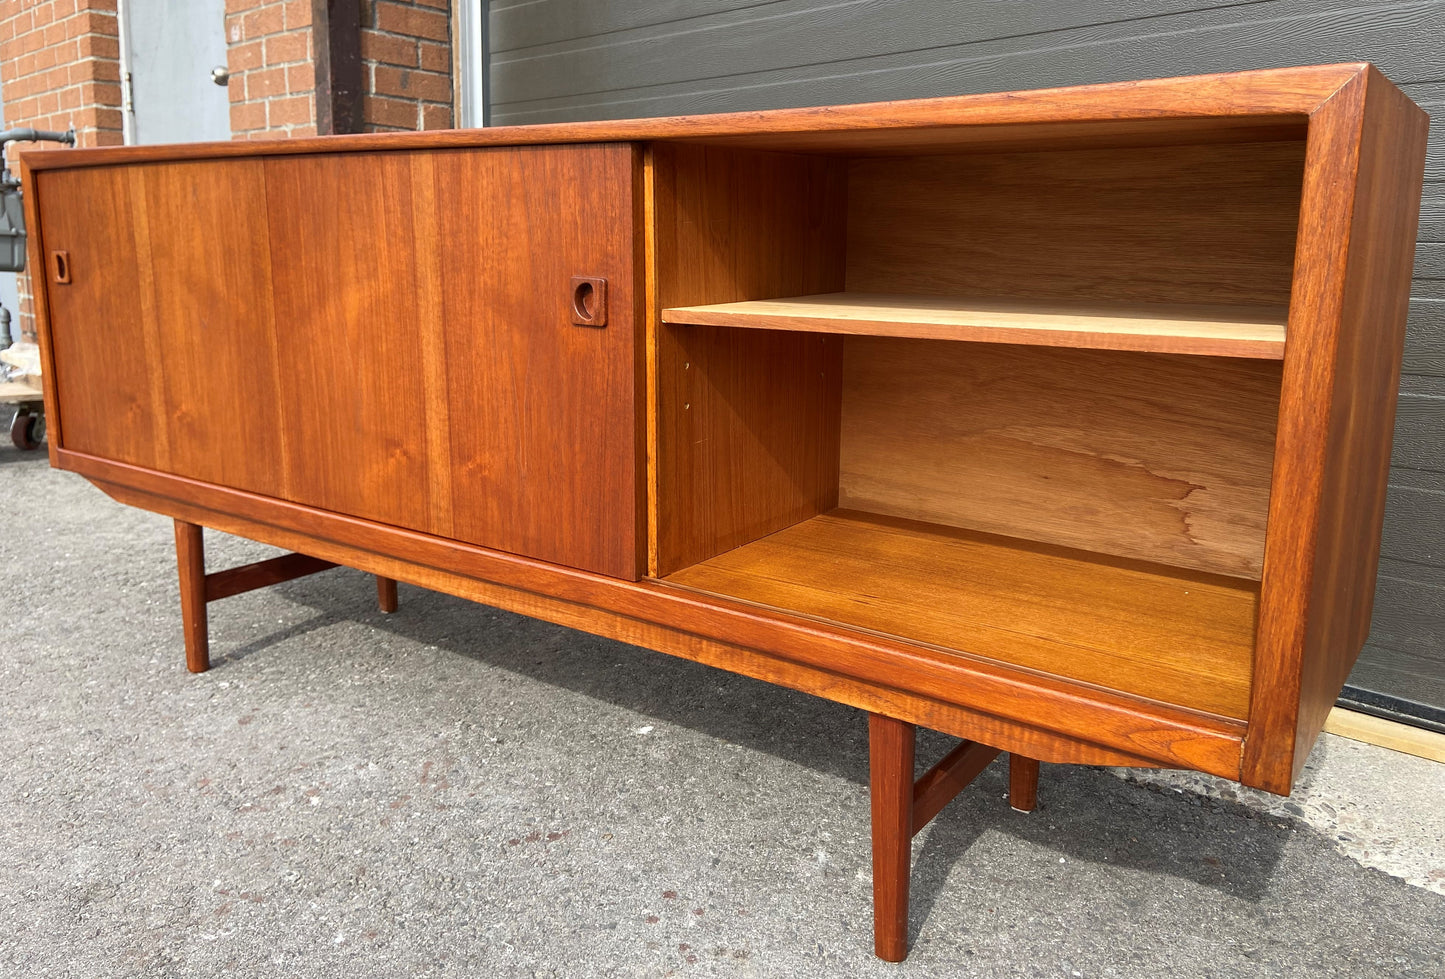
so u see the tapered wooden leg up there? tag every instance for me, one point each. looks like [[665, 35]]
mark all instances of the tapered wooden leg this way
[[1023, 782], [386, 593], [191, 560], [890, 753]]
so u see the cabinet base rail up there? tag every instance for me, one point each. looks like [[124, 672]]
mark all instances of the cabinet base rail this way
[[902, 807], [199, 588]]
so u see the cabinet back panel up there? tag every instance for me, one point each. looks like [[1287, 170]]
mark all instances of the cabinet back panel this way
[[1148, 456], [1193, 224]]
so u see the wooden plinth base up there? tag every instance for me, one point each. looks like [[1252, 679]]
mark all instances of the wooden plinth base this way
[[902, 807], [198, 588]]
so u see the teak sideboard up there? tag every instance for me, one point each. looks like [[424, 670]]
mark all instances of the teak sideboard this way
[[1055, 420]]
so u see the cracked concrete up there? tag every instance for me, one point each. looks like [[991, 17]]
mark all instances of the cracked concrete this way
[[454, 790]]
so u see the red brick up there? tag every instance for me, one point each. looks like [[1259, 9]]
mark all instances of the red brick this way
[[265, 83], [436, 117], [298, 14], [100, 93], [244, 57], [92, 22], [301, 78], [392, 50], [389, 112], [436, 57], [107, 71], [107, 118], [412, 21], [420, 85], [266, 20], [291, 46], [248, 116], [295, 111], [307, 130]]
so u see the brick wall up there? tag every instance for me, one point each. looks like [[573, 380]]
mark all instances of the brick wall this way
[[406, 54], [273, 80], [406, 65], [60, 68]]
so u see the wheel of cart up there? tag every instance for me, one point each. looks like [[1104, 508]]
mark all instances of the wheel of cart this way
[[27, 431]]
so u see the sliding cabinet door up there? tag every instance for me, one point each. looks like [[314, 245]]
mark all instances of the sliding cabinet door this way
[[544, 410]]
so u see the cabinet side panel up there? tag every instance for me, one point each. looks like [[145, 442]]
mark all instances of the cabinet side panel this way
[[347, 308], [105, 373], [747, 420], [1362, 416], [1341, 368], [211, 276], [543, 411], [1147, 456]]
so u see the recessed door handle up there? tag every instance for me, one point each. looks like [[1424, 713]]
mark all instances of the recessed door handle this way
[[589, 301], [60, 268]]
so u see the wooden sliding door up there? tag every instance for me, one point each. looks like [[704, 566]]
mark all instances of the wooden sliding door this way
[[350, 312], [544, 410], [436, 376], [159, 288]]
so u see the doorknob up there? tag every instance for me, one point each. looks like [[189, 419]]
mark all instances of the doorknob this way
[[220, 74]]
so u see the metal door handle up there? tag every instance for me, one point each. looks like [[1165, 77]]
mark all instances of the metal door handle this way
[[220, 74]]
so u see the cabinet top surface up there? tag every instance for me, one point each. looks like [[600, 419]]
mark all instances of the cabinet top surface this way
[[1264, 104]]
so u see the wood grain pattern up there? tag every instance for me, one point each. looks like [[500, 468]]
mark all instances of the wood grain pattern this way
[[1190, 108], [208, 272], [1047, 718], [1357, 235], [1218, 331], [191, 566], [1211, 224], [941, 784], [262, 574], [1159, 458], [346, 303], [101, 373], [1179, 638], [545, 416], [747, 422], [890, 789], [1023, 783], [386, 594]]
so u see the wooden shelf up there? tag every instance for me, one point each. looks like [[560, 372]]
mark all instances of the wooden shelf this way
[[1217, 331], [1181, 637]]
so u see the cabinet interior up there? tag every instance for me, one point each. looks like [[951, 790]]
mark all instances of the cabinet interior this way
[[1016, 402]]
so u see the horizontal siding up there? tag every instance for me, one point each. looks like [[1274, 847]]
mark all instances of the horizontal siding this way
[[794, 53], [564, 60]]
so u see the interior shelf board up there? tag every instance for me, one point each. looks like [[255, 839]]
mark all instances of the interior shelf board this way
[[1176, 636], [1218, 331]]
